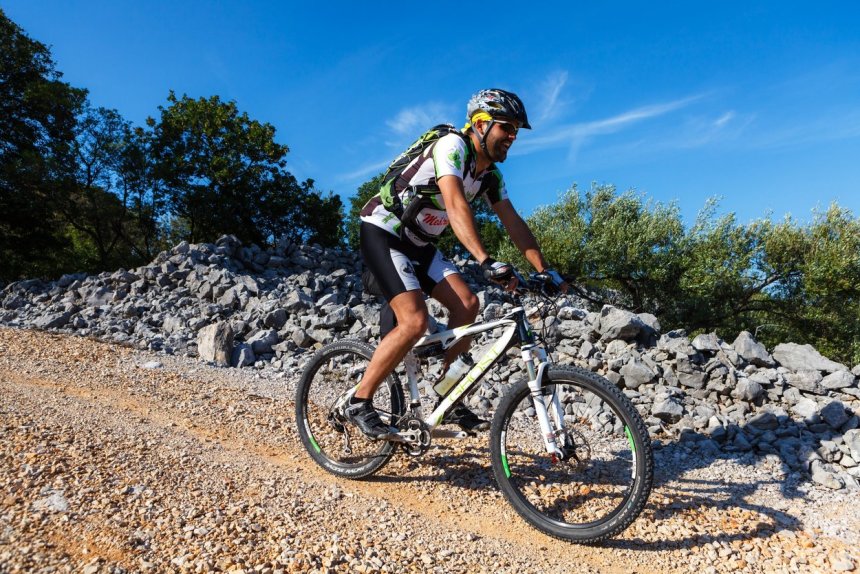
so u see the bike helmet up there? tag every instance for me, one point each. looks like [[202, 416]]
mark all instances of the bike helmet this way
[[498, 103]]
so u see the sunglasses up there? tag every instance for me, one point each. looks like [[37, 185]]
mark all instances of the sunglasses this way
[[508, 128]]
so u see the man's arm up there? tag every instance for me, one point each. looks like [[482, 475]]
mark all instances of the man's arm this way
[[520, 234], [523, 238], [460, 216]]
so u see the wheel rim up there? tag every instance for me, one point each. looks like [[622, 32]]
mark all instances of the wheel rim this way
[[327, 433], [597, 480]]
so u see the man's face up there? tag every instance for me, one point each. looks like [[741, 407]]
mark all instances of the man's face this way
[[501, 137]]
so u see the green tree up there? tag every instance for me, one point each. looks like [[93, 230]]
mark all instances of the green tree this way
[[353, 221], [619, 249], [37, 120], [818, 302], [223, 172], [143, 196], [96, 205]]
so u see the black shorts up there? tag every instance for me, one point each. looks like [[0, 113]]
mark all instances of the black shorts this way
[[398, 265]]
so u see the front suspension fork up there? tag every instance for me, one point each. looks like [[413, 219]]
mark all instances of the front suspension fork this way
[[544, 411]]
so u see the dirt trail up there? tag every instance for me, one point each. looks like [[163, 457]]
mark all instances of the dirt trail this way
[[108, 465]]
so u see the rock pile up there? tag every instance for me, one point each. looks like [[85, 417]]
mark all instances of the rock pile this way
[[242, 306]]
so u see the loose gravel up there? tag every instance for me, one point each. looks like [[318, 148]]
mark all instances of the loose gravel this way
[[119, 460]]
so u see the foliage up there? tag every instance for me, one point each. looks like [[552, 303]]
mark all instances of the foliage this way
[[37, 119], [96, 206], [821, 303], [223, 173], [353, 221], [780, 281]]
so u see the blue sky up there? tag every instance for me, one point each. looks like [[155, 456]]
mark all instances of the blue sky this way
[[755, 103]]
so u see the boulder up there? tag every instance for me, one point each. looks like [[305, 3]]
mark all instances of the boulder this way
[[334, 317], [636, 373], [764, 421], [53, 320], [667, 410], [806, 410], [275, 319], [835, 414], [747, 390], [243, 355], [852, 441], [262, 341], [805, 381], [694, 380], [804, 358], [707, 342], [676, 343], [826, 475], [215, 343], [298, 301], [752, 351], [839, 380], [618, 324]]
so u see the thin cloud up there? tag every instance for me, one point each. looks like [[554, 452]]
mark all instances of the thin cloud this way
[[836, 127], [404, 127], [551, 91], [575, 134], [411, 121], [724, 119], [364, 171]]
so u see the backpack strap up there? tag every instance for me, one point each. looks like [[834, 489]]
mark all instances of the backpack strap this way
[[421, 194]]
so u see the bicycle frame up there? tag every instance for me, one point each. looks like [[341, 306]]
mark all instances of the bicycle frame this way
[[534, 357]]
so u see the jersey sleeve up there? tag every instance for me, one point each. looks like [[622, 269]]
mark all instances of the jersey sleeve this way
[[449, 156], [493, 187]]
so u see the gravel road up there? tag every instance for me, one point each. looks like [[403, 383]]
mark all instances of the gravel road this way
[[117, 460]]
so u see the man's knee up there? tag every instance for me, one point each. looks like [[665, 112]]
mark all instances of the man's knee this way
[[465, 307], [471, 305], [413, 325]]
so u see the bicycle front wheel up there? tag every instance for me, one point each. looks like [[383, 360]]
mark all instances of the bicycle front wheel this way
[[336, 445], [601, 482]]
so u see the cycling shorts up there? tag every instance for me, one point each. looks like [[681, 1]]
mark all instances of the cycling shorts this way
[[399, 265]]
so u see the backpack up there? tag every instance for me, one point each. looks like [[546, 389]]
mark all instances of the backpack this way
[[419, 196]]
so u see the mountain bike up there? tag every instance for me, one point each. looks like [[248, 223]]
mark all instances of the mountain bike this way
[[568, 449]]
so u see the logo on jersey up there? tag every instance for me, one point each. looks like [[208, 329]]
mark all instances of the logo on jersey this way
[[407, 269], [455, 158], [434, 220]]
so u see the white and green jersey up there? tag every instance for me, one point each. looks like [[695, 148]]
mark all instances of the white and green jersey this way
[[451, 154]]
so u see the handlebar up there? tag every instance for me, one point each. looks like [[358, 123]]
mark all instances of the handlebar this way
[[536, 284]]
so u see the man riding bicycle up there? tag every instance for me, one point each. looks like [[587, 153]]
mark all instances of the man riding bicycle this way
[[400, 225]]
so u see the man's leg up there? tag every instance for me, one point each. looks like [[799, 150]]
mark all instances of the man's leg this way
[[412, 320], [411, 313], [463, 306]]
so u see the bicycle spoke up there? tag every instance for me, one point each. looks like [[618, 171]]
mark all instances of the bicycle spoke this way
[[334, 443], [599, 484]]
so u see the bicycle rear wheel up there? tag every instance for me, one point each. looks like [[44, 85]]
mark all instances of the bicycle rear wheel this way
[[602, 482], [338, 446]]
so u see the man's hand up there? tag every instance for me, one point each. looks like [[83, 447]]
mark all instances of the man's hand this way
[[501, 273], [553, 281]]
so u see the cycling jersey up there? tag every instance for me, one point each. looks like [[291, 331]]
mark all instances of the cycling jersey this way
[[450, 155]]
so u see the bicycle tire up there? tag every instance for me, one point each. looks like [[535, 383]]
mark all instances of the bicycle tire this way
[[591, 496], [331, 372]]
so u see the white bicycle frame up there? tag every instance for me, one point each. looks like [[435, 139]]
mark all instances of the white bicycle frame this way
[[534, 357]]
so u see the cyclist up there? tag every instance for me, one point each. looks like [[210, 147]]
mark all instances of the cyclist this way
[[400, 225]]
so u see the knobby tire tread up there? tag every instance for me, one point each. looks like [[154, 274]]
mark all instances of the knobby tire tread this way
[[616, 522], [320, 358]]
